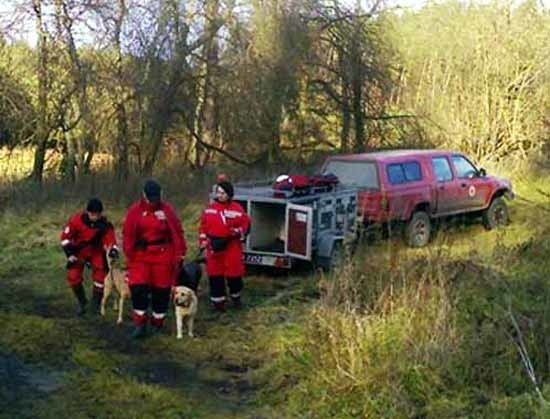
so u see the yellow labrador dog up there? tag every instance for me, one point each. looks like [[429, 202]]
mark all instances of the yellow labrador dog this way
[[185, 308], [116, 278]]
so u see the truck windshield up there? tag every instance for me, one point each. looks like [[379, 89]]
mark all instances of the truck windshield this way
[[361, 174]]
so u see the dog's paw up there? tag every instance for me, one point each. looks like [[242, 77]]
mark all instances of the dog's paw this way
[[179, 337], [191, 335]]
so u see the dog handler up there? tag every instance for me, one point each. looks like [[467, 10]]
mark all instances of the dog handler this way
[[154, 246], [84, 240], [223, 227]]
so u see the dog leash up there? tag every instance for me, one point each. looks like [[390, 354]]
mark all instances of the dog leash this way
[[200, 258]]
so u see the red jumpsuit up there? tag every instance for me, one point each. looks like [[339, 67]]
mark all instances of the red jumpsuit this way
[[88, 241], [154, 246], [228, 224]]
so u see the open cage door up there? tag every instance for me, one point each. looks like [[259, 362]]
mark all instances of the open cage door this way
[[299, 222]]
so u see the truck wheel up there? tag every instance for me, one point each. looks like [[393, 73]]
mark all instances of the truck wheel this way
[[419, 229], [496, 215]]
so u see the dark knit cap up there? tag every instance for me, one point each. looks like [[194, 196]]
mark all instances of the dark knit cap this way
[[94, 205], [227, 188], [152, 190]]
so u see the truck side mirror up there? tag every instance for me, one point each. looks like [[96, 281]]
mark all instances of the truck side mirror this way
[[482, 172]]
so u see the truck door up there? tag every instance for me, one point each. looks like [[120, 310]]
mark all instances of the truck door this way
[[299, 222], [448, 190], [475, 190]]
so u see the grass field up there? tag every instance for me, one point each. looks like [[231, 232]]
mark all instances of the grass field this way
[[398, 333]]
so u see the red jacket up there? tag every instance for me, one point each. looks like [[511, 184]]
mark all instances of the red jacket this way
[[224, 220], [152, 233], [83, 236]]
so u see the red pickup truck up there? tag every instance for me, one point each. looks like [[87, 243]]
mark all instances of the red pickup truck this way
[[418, 186]]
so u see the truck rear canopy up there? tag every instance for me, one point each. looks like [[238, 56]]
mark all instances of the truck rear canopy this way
[[361, 174]]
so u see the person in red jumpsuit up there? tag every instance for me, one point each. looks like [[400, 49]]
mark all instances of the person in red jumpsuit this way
[[154, 245], [223, 227], [85, 239]]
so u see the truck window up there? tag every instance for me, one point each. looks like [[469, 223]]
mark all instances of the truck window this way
[[463, 168], [361, 174], [396, 175], [412, 171], [404, 172], [442, 169]]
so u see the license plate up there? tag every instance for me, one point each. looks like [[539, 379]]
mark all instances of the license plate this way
[[267, 260]]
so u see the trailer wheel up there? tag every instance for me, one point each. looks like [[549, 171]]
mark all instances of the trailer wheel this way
[[419, 229]]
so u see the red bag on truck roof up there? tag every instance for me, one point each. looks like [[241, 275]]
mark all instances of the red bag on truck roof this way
[[324, 180], [301, 185], [291, 182]]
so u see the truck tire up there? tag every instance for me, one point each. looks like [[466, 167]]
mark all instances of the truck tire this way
[[496, 215], [419, 229]]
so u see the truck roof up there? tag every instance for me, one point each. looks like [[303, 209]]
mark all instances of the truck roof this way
[[389, 155]]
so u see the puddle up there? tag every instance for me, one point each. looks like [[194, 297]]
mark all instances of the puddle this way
[[17, 378]]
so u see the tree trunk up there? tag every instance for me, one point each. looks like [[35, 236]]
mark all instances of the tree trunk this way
[[357, 86], [122, 166], [69, 162], [346, 126], [155, 141], [84, 147], [41, 128], [207, 113]]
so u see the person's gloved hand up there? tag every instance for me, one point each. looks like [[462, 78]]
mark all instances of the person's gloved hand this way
[[238, 232], [71, 261], [70, 249], [114, 253]]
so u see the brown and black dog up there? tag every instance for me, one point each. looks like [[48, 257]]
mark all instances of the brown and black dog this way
[[116, 278]]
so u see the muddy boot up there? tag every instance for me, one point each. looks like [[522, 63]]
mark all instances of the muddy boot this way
[[97, 296], [80, 295], [139, 331]]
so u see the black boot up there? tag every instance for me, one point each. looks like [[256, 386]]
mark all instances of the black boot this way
[[97, 296], [80, 295]]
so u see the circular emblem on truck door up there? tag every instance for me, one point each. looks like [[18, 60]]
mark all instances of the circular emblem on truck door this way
[[472, 191]]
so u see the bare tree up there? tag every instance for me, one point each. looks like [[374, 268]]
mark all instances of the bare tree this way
[[41, 128], [348, 66]]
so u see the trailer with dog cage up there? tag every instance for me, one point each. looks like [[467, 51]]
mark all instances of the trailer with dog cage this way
[[312, 224]]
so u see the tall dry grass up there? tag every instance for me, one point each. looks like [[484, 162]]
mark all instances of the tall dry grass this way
[[379, 332], [432, 334]]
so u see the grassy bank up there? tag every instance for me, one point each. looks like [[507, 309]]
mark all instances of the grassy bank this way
[[457, 330], [398, 333]]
